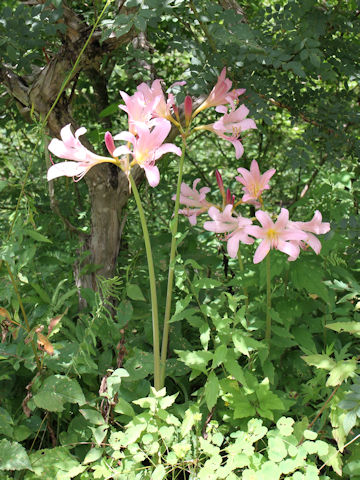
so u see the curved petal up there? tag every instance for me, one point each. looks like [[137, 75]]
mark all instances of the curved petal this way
[[314, 243], [167, 148], [239, 149], [264, 219], [80, 131], [152, 174], [247, 124], [66, 169], [233, 245], [261, 251], [67, 136], [123, 150], [126, 136], [290, 249], [282, 219]]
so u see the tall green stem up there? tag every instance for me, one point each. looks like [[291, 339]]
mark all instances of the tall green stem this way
[[268, 299], [154, 304], [174, 228]]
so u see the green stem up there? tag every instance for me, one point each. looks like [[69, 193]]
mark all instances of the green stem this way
[[165, 337], [154, 304], [268, 299], [246, 293]]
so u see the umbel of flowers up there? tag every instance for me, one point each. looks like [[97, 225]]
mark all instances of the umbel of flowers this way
[[151, 115], [283, 235]]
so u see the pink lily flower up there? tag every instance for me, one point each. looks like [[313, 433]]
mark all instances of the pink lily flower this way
[[154, 96], [234, 122], [316, 225], [193, 198], [147, 147], [71, 148], [138, 109], [254, 183], [276, 235], [221, 95], [224, 222]]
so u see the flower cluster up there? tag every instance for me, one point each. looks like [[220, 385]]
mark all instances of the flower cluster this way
[[150, 115], [283, 235]]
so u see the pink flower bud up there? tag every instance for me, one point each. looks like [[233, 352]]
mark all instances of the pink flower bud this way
[[109, 142], [187, 109], [176, 112], [220, 182], [228, 197]]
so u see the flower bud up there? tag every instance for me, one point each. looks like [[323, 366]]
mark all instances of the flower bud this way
[[187, 109], [229, 197], [176, 112], [109, 142], [220, 183]]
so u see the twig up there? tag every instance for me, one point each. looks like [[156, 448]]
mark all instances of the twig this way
[[311, 424]]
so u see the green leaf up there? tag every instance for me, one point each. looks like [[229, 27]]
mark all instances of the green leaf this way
[[134, 292], [93, 455], [37, 236], [320, 361], [285, 426], [342, 370], [159, 473], [192, 416], [56, 391], [13, 456], [315, 60], [196, 360], [219, 355], [114, 382], [124, 313], [124, 407], [99, 433], [92, 416], [114, 107], [211, 390], [206, 283], [54, 463], [349, 327], [41, 292], [277, 449]]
